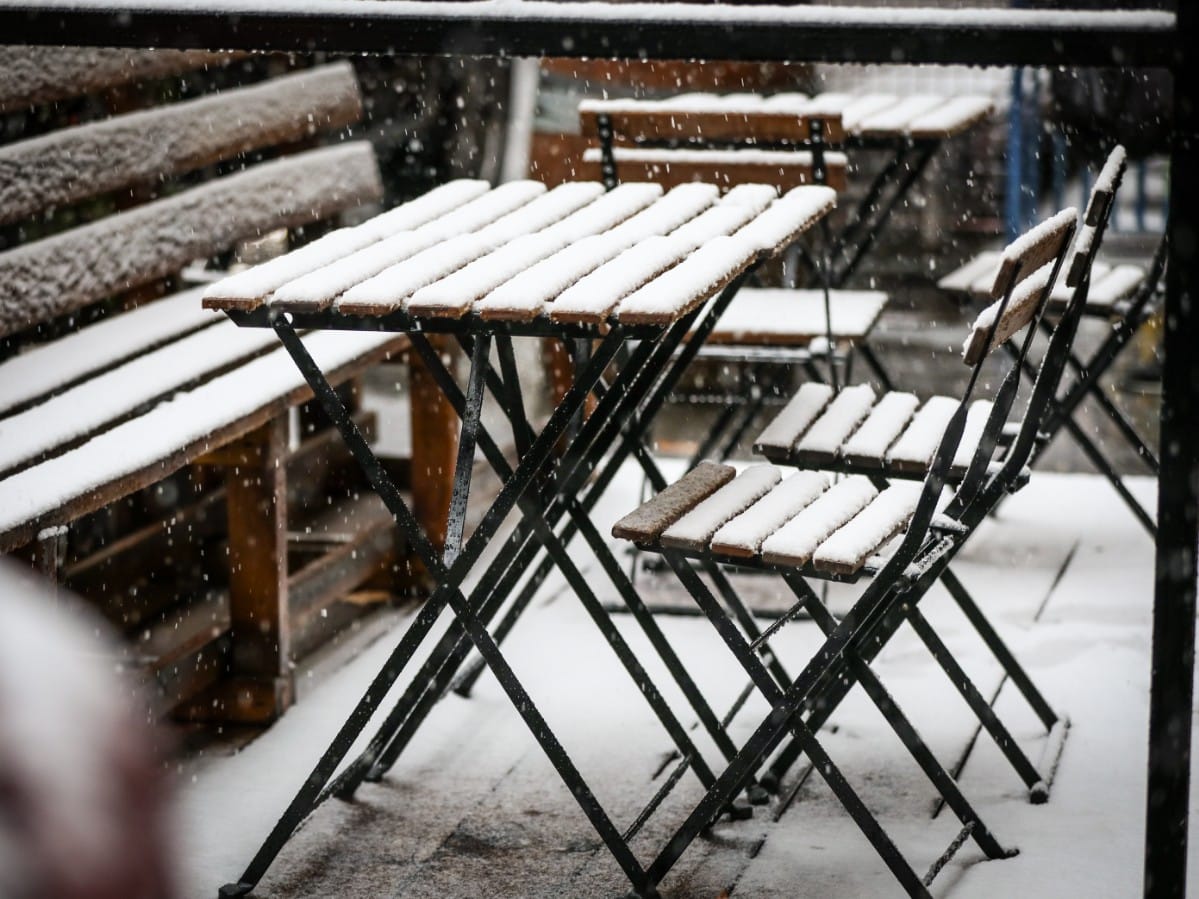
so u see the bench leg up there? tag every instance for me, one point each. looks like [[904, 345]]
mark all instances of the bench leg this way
[[434, 448], [259, 686], [49, 553]]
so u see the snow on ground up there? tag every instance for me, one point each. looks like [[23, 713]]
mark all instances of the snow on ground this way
[[473, 808]]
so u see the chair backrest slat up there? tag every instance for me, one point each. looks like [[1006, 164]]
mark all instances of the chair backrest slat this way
[[1035, 248], [1053, 363], [1021, 308], [1103, 191]]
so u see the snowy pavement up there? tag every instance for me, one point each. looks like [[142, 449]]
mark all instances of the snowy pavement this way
[[474, 809]]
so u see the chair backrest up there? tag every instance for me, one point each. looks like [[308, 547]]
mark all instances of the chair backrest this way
[[1053, 363], [724, 140], [1030, 266], [977, 491]]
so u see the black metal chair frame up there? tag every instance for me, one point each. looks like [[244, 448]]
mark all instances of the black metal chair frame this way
[[1095, 216], [922, 558]]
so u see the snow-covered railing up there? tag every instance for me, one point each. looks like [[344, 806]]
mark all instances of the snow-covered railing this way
[[635, 30]]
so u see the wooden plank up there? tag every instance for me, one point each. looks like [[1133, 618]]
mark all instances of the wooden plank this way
[[822, 442], [795, 541], [32, 76], [955, 116], [434, 446], [846, 551], [72, 164], [695, 529], [646, 523], [869, 444], [742, 537], [524, 297], [680, 289], [220, 426], [56, 424], [1020, 309], [48, 368], [750, 122], [1033, 249], [55, 276], [790, 317], [248, 289], [789, 425]]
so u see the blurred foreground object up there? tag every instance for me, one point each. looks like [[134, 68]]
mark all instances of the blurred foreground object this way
[[82, 800]]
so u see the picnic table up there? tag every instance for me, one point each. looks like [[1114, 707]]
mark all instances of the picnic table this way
[[634, 271]]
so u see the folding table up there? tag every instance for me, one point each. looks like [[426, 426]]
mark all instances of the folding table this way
[[630, 268]]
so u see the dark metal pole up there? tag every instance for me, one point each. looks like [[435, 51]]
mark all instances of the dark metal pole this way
[[1170, 691]]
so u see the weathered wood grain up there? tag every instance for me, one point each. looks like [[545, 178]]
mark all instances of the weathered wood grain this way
[[72, 164]]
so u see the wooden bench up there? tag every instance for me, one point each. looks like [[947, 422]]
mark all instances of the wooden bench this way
[[139, 428]]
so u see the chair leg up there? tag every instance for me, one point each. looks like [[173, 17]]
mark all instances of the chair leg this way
[[903, 728], [260, 685], [1037, 787], [999, 649], [786, 717]]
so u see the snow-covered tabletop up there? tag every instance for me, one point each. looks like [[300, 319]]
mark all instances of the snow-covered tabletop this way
[[520, 252]]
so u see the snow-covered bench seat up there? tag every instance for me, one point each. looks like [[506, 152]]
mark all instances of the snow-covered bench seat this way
[[128, 417]]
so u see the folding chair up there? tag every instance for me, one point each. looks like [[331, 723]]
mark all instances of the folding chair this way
[[762, 326], [1126, 296], [804, 528]]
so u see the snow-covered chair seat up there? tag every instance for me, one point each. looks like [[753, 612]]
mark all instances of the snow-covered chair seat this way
[[109, 389], [807, 520], [855, 431]]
